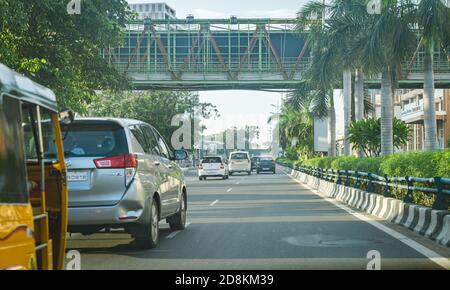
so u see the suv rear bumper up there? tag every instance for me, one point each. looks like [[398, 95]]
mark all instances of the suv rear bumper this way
[[237, 168], [130, 209]]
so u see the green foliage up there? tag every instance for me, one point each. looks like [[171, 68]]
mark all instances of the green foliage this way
[[296, 124], [417, 164], [291, 153], [156, 107], [365, 135], [40, 39]]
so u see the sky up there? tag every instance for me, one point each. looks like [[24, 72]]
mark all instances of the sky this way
[[240, 8], [238, 108]]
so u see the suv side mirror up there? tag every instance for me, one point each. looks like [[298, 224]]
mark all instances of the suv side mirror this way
[[67, 117], [180, 155]]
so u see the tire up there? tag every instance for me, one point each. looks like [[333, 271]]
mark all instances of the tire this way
[[231, 173], [249, 173], [257, 172], [200, 178], [148, 235], [224, 177], [178, 221]]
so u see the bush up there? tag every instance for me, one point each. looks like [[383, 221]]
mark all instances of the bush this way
[[365, 135], [444, 164], [370, 164], [417, 164]]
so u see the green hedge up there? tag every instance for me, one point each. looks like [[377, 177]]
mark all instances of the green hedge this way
[[417, 164]]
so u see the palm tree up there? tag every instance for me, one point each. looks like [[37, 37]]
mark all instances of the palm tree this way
[[346, 21], [387, 44], [316, 93], [433, 18], [296, 127], [316, 102]]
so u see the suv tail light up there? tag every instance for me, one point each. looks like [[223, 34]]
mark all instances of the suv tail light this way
[[200, 166], [222, 166], [122, 161], [128, 162]]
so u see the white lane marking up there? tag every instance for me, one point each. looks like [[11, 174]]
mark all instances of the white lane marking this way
[[172, 235], [214, 202], [237, 183], [431, 255], [229, 190]]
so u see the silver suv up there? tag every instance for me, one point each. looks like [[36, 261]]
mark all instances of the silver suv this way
[[122, 174]]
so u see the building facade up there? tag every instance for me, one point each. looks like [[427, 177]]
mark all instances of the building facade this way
[[413, 114], [157, 11]]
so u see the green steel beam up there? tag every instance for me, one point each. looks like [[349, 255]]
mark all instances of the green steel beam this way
[[228, 48]]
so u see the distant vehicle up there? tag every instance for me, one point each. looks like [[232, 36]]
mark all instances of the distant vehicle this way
[[212, 166], [240, 162], [265, 164], [122, 174], [254, 161]]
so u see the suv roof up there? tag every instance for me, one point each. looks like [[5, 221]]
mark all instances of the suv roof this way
[[121, 121]]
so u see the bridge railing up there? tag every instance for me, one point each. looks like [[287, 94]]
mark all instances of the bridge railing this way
[[179, 65], [438, 187], [441, 64]]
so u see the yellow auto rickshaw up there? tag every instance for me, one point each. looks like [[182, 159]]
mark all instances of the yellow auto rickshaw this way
[[33, 187]]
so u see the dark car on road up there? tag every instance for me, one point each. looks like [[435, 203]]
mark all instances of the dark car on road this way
[[254, 161], [265, 164]]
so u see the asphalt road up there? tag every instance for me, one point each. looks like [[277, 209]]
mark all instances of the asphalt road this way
[[262, 222]]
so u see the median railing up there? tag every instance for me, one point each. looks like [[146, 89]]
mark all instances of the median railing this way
[[439, 187]]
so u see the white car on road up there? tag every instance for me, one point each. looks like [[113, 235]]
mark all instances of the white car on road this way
[[212, 166], [240, 162]]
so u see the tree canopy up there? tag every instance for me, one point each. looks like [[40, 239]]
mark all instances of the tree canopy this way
[[156, 108], [39, 39]]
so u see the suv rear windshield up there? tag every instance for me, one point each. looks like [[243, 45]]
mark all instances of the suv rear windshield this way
[[239, 156], [212, 160], [94, 139]]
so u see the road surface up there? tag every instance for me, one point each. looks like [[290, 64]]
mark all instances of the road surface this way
[[262, 222]]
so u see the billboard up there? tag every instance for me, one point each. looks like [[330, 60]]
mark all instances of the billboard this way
[[321, 135]]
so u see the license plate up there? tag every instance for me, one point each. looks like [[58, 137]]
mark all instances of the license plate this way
[[77, 176]]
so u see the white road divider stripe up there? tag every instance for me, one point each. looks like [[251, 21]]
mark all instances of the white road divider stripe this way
[[229, 190], [173, 234], [214, 203]]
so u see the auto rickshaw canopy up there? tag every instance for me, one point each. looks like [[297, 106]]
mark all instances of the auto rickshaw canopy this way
[[26, 90]]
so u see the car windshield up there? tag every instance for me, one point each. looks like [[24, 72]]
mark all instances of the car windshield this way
[[239, 156], [212, 160]]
